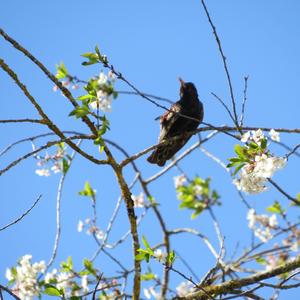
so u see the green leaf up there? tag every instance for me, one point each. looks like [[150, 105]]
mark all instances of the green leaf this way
[[171, 257], [61, 71], [86, 97], [52, 291], [87, 191], [90, 55], [195, 214], [261, 261], [234, 159], [239, 150], [275, 208], [146, 244], [89, 266], [79, 112], [99, 141], [98, 51], [263, 143], [237, 169], [70, 262], [147, 276], [88, 63], [140, 256], [253, 145], [65, 166]]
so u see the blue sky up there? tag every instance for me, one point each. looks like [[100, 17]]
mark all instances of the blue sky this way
[[151, 43]]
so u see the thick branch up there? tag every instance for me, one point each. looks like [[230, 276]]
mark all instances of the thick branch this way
[[229, 286], [45, 118]]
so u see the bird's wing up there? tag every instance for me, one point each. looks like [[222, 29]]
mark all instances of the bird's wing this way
[[167, 121]]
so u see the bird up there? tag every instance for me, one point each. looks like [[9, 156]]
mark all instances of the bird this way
[[180, 120]]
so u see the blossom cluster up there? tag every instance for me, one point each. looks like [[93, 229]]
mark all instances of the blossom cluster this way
[[90, 228], [262, 225], [28, 282], [24, 277], [138, 200], [56, 162], [255, 161], [104, 92], [195, 194], [65, 281], [67, 84], [182, 290]]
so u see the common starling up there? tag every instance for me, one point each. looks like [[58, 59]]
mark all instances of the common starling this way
[[183, 117]]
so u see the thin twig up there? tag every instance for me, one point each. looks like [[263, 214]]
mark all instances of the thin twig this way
[[32, 153], [191, 280], [186, 264], [244, 100], [146, 94], [9, 292], [42, 67], [46, 119], [23, 215], [32, 138], [224, 63], [293, 151], [58, 211], [225, 106], [23, 121], [283, 192], [96, 286]]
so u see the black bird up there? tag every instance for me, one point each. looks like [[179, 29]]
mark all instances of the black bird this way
[[183, 117]]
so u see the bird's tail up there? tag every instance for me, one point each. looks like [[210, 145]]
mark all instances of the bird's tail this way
[[166, 151], [157, 157]]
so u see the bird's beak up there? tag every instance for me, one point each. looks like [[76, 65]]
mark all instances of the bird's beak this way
[[181, 81]]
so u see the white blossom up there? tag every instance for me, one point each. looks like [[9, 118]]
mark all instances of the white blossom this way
[[9, 274], [92, 229], [85, 283], [262, 225], [148, 293], [273, 221], [75, 87], [80, 226], [25, 278], [254, 175], [160, 255], [251, 217], [103, 102], [64, 280], [139, 200], [263, 235], [100, 234], [111, 75], [179, 181], [65, 83], [50, 276], [42, 172], [55, 88], [250, 183], [257, 136], [271, 262], [102, 78], [245, 137], [56, 168], [198, 190], [274, 135], [184, 288]]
